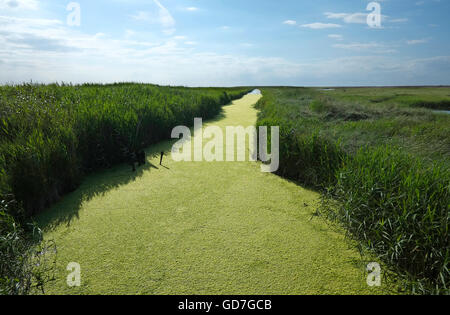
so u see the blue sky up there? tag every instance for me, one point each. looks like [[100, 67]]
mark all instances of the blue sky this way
[[226, 42]]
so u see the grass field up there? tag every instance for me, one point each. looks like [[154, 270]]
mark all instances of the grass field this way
[[200, 228], [395, 116]]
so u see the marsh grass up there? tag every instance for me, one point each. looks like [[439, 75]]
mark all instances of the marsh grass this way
[[51, 135], [398, 207], [382, 163], [27, 261]]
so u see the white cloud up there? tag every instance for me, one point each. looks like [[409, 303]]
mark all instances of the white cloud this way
[[321, 25], [377, 70], [19, 5], [417, 41], [400, 20], [372, 47], [357, 18], [360, 17], [129, 33], [290, 22], [336, 36], [46, 50], [141, 16], [163, 18], [27, 23]]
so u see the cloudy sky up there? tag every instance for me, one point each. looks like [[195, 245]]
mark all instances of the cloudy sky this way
[[225, 42]]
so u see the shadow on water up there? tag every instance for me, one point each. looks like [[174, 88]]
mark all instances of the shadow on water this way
[[101, 182], [98, 184]]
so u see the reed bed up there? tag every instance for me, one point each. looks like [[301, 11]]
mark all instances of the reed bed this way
[[383, 169]]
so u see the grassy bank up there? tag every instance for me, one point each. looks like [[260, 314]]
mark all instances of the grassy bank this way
[[382, 162], [51, 136]]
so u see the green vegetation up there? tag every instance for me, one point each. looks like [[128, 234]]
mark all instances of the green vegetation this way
[[428, 97], [200, 228], [26, 261], [379, 156], [52, 135], [383, 164]]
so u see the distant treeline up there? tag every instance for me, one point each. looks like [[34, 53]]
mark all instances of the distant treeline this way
[[52, 135], [383, 170]]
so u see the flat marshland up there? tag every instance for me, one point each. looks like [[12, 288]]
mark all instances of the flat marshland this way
[[381, 158]]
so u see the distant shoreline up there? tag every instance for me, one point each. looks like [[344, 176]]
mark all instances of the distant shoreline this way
[[358, 87], [236, 86]]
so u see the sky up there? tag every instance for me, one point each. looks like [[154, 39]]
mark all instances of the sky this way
[[226, 42]]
